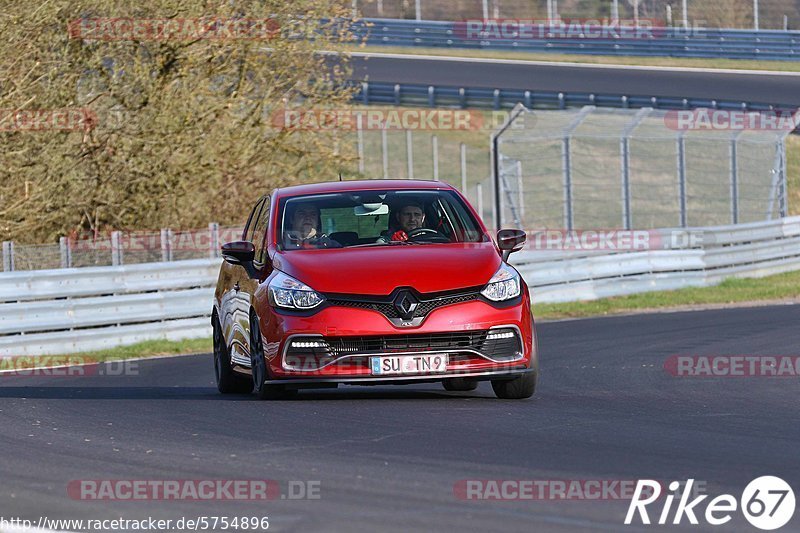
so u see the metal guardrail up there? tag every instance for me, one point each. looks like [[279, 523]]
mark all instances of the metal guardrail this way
[[746, 250], [671, 41], [71, 310], [82, 309], [407, 94]]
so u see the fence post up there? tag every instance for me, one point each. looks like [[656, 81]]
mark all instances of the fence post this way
[[435, 148], [385, 150], [625, 154], [521, 193], [116, 248], [65, 247], [734, 173], [682, 179], [784, 205], [166, 244], [479, 193], [360, 135], [8, 256], [213, 241], [463, 152], [409, 155]]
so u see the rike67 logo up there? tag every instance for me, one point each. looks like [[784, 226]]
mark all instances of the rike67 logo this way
[[767, 503]]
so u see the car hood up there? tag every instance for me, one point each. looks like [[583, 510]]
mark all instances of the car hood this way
[[379, 270]]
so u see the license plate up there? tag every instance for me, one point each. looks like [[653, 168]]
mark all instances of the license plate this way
[[408, 364]]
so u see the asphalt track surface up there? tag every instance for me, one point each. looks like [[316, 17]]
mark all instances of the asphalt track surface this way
[[778, 89], [387, 458]]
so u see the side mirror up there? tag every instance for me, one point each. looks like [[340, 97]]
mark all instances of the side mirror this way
[[510, 241], [239, 252]]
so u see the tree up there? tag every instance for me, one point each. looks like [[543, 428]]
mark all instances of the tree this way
[[179, 129]]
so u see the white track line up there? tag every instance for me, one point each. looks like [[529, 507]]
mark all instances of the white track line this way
[[462, 59]]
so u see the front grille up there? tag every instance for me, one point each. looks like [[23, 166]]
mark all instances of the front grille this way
[[498, 344], [385, 305]]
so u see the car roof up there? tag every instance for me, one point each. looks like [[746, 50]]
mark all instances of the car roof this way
[[359, 185]]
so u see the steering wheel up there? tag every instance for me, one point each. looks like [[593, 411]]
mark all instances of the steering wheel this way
[[427, 234]]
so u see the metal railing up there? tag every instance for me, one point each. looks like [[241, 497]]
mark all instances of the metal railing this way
[[81, 309], [408, 94], [118, 248], [775, 45]]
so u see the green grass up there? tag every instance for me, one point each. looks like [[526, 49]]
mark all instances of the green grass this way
[[739, 64], [151, 349], [733, 290]]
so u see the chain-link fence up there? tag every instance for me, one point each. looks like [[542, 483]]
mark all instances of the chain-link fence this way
[[643, 169], [119, 248], [771, 14]]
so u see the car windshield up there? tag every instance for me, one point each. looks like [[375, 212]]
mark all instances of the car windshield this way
[[376, 218]]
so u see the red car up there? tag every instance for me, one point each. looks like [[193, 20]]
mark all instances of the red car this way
[[372, 283]]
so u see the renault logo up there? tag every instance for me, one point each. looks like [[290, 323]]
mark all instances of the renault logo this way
[[406, 304]]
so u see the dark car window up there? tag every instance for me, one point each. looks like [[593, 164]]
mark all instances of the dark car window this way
[[247, 234], [260, 230], [366, 218]]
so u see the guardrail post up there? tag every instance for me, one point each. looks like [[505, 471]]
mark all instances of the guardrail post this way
[[396, 94], [562, 104], [213, 241], [65, 247], [462, 97], [682, 179], [435, 149], [526, 98], [365, 92], [431, 96], [496, 99], [116, 248], [410, 155], [8, 256]]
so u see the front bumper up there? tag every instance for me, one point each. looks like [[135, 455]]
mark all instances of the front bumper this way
[[400, 380], [336, 322]]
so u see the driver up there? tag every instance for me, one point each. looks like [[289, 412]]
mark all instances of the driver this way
[[305, 233], [410, 217]]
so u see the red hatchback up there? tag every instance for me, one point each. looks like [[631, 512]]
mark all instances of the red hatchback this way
[[371, 283]]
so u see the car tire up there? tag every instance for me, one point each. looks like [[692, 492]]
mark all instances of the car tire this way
[[459, 384], [260, 368], [228, 382], [515, 389]]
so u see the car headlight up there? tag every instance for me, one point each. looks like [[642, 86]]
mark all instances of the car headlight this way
[[504, 285], [288, 293]]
